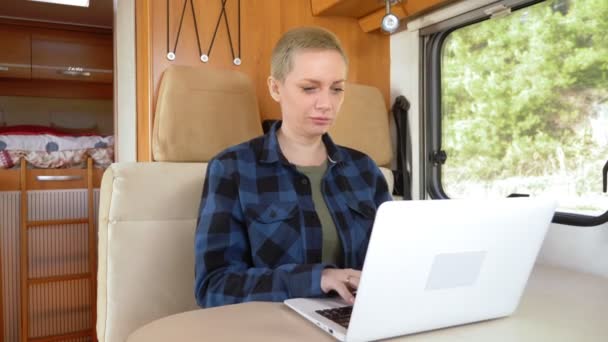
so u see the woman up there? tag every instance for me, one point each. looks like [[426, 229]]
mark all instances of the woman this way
[[289, 214]]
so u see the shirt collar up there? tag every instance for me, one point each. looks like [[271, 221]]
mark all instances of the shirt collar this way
[[271, 153]]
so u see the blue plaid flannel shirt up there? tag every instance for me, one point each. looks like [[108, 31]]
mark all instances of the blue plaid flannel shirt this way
[[258, 236]]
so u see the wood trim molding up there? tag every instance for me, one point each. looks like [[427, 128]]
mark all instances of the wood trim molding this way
[[419, 7], [56, 89], [350, 8], [54, 26], [1, 300], [23, 256], [92, 235], [143, 53]]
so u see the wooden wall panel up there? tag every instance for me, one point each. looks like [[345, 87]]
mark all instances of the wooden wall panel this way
[[144, 83], [55, 89], [263, 22]]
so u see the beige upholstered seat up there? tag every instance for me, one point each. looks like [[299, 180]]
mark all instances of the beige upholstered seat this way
[[148, 211], [363, 124]]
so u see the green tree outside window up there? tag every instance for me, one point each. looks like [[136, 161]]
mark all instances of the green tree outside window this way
[[525, 105]]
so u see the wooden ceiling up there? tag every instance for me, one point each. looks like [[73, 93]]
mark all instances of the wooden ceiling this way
[[100, 13], [370, 12]]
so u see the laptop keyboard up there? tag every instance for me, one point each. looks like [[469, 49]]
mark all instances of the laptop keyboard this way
[[338, 315]]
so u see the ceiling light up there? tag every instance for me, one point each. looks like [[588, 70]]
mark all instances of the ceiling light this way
[[390, 22], [81, 3]]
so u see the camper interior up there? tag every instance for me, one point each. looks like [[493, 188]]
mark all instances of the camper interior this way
[[110, 111], [56, 138]]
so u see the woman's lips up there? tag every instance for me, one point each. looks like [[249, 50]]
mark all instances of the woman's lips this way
[[320, 120]]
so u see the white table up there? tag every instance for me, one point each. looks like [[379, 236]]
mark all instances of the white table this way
[[558, 305]]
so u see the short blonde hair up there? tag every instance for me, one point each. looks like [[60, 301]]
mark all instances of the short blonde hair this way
[[300, 39]]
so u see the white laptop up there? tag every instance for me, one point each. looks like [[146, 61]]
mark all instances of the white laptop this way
[[434, 264]]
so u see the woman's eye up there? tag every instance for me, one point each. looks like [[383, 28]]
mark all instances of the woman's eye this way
[[308, 89], [338, 90]]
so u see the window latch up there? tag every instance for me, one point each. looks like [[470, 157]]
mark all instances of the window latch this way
[[605, 175], [516, 195], [439, 157], [498, 11]]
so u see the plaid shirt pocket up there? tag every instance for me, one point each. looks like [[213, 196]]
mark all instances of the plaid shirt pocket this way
[[362, 214], [366, 209], [274, 234]]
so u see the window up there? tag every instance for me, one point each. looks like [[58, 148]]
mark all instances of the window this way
[[518, 104]]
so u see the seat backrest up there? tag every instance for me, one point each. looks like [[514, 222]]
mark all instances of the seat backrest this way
[[363, 123], [201, 111], [148, 211], [147, 218]]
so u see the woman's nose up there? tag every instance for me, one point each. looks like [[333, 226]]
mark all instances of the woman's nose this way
[[324, 100]]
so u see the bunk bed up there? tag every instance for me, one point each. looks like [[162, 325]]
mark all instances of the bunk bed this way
[[48, 178], [52, 148]]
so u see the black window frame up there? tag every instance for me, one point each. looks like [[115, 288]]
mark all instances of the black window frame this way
[[432, 39]]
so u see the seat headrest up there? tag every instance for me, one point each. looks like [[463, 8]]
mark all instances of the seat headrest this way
[[363, 123], [200, 111]]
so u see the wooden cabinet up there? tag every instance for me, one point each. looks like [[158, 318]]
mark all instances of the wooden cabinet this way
[[71, 56], [15, 53], [49, 54]]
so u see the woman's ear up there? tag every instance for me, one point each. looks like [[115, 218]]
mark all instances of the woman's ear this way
[[273, 88]]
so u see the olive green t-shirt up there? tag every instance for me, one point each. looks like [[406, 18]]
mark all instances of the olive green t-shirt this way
[[332, 248]]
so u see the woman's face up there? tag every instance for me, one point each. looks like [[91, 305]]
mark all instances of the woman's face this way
[[311, 94]]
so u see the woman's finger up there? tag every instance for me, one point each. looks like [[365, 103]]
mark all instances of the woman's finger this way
[[353, 273], [344, 292], [353, 282]]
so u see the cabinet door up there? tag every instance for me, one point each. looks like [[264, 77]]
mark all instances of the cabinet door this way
[[15, 52], [72, 56]]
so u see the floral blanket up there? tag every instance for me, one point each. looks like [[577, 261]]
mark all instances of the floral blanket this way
[[55, 151]]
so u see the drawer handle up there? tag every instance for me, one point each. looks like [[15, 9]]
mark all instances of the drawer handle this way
[[57, 178], [73, 71], [3, 68]]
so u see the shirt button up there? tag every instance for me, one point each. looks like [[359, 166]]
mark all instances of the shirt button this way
[[304, 181]]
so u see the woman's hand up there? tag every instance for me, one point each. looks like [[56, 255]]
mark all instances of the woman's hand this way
[[343, 281]]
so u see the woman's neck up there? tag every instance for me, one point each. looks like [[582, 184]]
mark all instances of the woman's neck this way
[[301, 150]]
